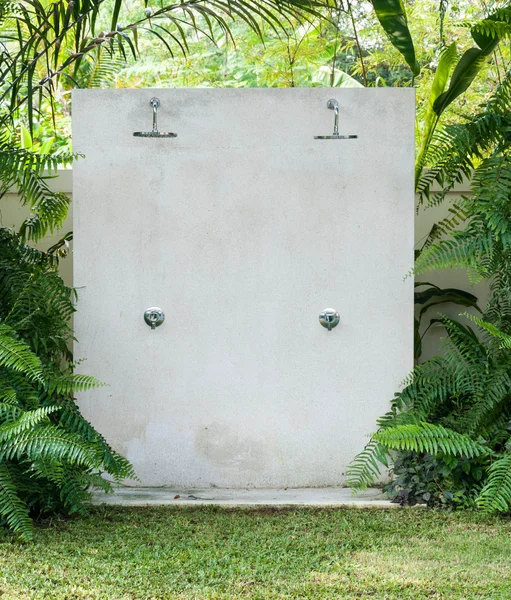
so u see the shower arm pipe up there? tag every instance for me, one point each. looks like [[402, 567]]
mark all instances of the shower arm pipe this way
[[334, 105], [155, 103]]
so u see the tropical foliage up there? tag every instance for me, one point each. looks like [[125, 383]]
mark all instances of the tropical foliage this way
[[49, 454], [451, 424], [429, 296]]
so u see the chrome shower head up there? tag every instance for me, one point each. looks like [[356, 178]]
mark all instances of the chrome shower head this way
[[155, 104], [160, 134], [335, 137], [332, 104]]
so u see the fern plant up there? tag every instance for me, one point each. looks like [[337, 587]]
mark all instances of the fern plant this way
[[449, 429], [456, 406], [49, 454]]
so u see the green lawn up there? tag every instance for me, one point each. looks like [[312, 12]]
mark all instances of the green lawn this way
[[185, 553]]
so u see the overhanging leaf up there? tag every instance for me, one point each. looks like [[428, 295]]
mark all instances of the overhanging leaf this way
[[447, 59], [472, 60], [465, 72], [392, 16]]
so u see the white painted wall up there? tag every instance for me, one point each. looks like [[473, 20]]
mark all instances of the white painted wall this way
[[449, 278], [243, 229], [12, 214]]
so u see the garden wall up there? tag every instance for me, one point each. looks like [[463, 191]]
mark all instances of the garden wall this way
[[316, 437], [12, 214], [243, 229]]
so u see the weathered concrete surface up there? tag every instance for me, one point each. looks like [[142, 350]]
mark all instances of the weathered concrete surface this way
[[255, 497], [242, 229]]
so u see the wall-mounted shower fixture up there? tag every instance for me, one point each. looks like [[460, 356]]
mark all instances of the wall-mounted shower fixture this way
[[332, 104], [154, 317], [329, 318], [155, 104]]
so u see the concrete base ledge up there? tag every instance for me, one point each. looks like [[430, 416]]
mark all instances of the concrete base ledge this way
[[139, 496]]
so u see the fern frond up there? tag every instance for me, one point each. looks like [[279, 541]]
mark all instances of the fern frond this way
[[426, 437], [456, 149], [496, 493], [504, 338], [49, 213], [47, 441], [112, 462], [74, 492], [366, 466], [25, 422], [16, 355], [12, 508], [71, 383]]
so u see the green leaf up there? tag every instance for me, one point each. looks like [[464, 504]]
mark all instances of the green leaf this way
[[12, 508], [429, 438], [341, 79], [448, 295], [115, 14], [492, 330], [46, 146], [435, 292], [470, 63], [26, 138], [496, 493], [392, 16], [16, 355], [447, 58], [465, 72], [417, 340]]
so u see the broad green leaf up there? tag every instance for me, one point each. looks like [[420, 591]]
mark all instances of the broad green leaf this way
[[435, 293], [470, 64], [115, 14], [452, 296], [46, 147], [341, 79], [417, 340], [447, 58], [465, 72], [392, 17], [26, 138]]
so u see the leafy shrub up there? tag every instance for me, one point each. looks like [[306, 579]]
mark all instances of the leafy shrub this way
[[450, 426], [49, 454], [436, 480], [449, 430]]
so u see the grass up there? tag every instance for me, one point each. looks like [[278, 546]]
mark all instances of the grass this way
[[206, 553]]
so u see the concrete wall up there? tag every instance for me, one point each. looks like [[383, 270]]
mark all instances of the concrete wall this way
[[242, 229], [451, 278], [12, 214]]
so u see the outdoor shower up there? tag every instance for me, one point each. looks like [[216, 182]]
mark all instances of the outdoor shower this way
[[155, 104], [332, 104], [242, 278]]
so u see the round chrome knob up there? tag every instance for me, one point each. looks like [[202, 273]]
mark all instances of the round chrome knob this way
[[329, 318], [154, 317]]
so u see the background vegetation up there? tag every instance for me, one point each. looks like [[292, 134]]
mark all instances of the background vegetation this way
[[344, 45]]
